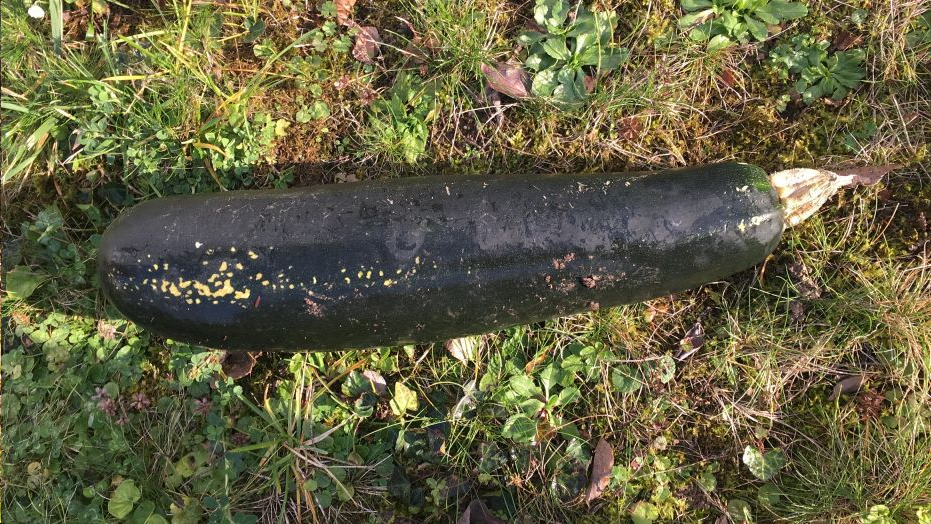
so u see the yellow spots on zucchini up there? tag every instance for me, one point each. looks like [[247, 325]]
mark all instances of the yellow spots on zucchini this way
[[184, 284], [189, 301], [252, 255], [197, 245], [213, 277], [290, 286], [368, 275], [398, 272], [232, 249], [347, 280], [223, 266], [216, 301], [204, 262], [314, 279], [242, 294], [258, 276], [146, 281], [359, 274], [154, 266], [381, 273], [164, 286], [230, 274], [417, 260], [389, 282], [342, 270], [197, 301], [164, 267], [280, 276], [265, 282], [742, 226], [238, 266]]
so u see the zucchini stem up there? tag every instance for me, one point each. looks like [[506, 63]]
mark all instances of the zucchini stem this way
[[803, 191]]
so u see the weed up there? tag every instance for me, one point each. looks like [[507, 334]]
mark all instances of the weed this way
[[819, 73], [723, 23]]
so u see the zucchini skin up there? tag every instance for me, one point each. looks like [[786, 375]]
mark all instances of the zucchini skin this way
[[425, 259]]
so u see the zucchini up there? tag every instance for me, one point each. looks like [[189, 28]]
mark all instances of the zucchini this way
[[425, 259]]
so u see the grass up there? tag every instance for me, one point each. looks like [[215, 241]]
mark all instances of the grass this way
[[185, 97]]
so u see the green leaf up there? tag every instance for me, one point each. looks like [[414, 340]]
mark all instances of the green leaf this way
[[768, 494], [404, 400], [739, 510], [123, 499], [692, 5], [644, 513], [189, 513], [526, 38], [694, 18], [719, 42], [520, 428], [757, 29], [778, 10], [567, 396], [604, 59], [555, 46], [764, 466], [549, 377], [144, 510], [665, 369], [625, 379], [21, 282], [523, 386]]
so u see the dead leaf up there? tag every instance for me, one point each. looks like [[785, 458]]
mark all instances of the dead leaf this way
[[237, 364], [845, 40], [804, 282], [630, 128], [477, 513], [589, 82], [463, 349], [693, 340], [867, 175], [508, 78], [376, 380], [727, 77], [344, 11], [602, 464], [847, 386], [367, 42]]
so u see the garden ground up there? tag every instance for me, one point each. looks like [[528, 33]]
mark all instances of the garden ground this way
[[798, 390]]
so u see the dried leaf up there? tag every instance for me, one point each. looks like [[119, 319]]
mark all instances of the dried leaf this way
[[344, 11], [463, 349], [589, 82], [727, 77], [847, 386], [845, 40], [602, 464], [378, 382], [693, 340], [477, 513], [866, 175], [508, 78], [367, 42], [237, 364]]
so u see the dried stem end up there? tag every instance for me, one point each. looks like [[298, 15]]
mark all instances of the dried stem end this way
[[803, 191]]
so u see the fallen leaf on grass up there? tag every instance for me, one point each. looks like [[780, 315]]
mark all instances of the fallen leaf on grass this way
[[344, 11], [376, 380], [693, 340], [367, 42], [727, 77], [847, 386], [602, 464], [866, 175], [845, 40], [463, 349], [477, 513], [508, 78], [237, 364]]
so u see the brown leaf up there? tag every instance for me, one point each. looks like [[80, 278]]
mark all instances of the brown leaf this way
[[477, 513], [367, 42], [727, 77], [867, 175], [845, 40], [376, 380], [807, 286], [847, 386], [237, 364], [589, 82], [693, 340], [344, 11], [508, 79], [602, 463]]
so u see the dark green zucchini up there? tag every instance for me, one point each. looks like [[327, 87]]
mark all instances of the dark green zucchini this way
[[426, 259]]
